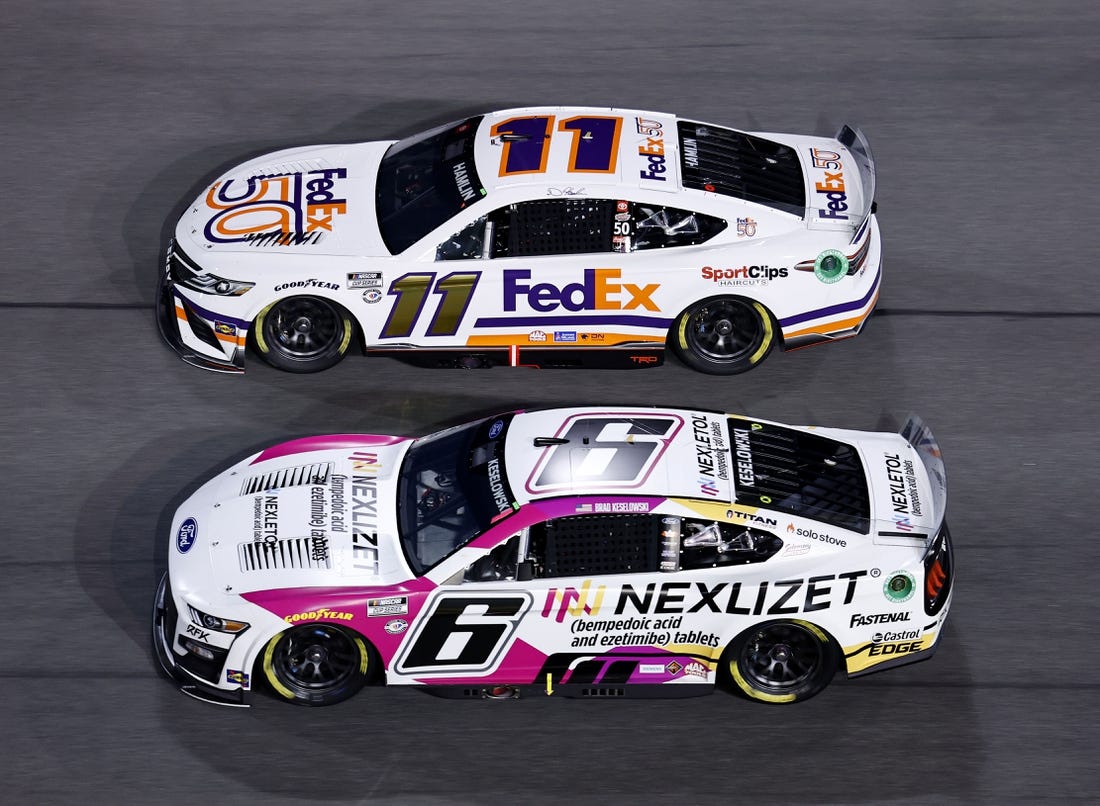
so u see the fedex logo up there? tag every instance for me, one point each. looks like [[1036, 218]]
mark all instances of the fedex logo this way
[[598, 291], [653, 149], [832, 186]]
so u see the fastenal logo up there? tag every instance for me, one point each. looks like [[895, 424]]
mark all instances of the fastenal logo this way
[[570, 601]]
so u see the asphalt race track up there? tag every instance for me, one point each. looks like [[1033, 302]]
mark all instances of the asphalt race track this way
[[982, 117]]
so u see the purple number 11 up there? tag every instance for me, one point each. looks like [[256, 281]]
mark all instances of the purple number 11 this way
[[594, 147]]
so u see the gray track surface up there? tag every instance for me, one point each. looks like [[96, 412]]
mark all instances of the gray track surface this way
[[983, 119]]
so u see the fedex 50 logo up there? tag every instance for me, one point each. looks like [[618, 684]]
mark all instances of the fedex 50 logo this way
[[295, 204], [832, 186], [599, 290], [604, 450]]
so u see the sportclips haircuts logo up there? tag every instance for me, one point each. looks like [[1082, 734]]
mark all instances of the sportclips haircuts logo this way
[[297, 207], [604, 451], [832, 186]]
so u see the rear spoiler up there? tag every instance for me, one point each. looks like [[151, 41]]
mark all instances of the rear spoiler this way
[[855, 141], [920, 438]]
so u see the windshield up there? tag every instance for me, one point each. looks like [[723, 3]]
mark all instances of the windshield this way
[[452, 487], [424, 180]]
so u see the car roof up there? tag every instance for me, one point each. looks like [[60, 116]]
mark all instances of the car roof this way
[[619, 451], [566, 147]]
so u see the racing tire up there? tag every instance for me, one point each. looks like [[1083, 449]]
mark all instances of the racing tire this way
[[782, 661], [303, 334], [723, 335], [317, 664]]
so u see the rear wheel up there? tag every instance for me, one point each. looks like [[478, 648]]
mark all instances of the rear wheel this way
[[317, 664], [303, 334], [723, 335], [782, 661]]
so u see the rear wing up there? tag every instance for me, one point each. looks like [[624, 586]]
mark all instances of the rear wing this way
[[920, 438], [856, 142]]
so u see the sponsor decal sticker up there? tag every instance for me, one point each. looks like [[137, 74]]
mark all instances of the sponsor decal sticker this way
[[598, 290], [396, 626], [536, 335], [651, 668], [899, 586], [372, 295], [831, 186], [565, 335], [364, 279], [861, 620], [695, 669], [819, 536], [316, 615], [495, 429], [312, 282], [674, 668], [237, 676], [388, 606], [652, 149], [744, 275], [225, 329], [186, 535], [746, 227]]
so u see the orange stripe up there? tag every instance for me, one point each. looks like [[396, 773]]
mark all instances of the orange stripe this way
[[524, 340], [834, 327], [237, 340]]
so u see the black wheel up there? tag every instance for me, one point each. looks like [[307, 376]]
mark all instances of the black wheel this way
[[302, 334], [723, 335], [317, 664], [782, 661]]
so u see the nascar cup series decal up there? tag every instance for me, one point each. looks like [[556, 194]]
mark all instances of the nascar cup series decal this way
[[282, 210]]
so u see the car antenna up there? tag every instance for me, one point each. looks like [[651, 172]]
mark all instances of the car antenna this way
[[543, 442]]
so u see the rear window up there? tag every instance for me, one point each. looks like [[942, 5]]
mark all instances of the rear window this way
[[742, 166], [800, 474]]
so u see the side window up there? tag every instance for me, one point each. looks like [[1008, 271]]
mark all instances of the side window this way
[[688, 543], [498, 564], [553, 227], [468, 244], [591, 545], [649, 226]]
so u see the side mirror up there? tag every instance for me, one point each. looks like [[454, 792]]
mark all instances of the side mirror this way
[[525, 571]]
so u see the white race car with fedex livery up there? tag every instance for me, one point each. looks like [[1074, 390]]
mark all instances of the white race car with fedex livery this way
[[547, 237], [582, 552]]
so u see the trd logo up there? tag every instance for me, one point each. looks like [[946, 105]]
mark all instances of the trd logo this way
[[644, 359], [599, 291]]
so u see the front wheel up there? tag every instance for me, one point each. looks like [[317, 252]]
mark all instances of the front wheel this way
[[303, 334], [723, 335], [317, 664], [782, 661]]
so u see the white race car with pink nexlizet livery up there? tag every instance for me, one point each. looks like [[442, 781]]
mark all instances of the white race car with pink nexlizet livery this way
[[580, 552], [543, 237]]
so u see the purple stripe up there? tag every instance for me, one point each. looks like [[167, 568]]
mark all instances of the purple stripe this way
[[208, 314], [543, 321], [832, 310]]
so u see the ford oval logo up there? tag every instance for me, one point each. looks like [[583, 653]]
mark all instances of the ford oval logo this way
[[495, 429], [186, 535]]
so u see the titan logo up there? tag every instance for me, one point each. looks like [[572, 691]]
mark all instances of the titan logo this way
[[573, 602], [599, 291]]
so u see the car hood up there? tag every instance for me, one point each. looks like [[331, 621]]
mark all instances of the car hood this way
[[316, 512], [318, 200]]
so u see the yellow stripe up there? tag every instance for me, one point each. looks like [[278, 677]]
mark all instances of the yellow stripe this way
[[766, 319], [269, 671], [857, 658]]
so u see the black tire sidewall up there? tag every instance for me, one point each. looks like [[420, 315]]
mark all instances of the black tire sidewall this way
[[682, 346], [278, 357], [291, 692], [742, 683]]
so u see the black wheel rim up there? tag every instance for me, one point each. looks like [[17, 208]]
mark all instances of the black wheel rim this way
[[781, 657], [316, 658], [304, 327], [725, 330]]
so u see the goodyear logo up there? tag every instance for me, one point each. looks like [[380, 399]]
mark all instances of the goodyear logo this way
[[598, 290]]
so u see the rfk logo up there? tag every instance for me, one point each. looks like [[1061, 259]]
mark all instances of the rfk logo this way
[[563, 601], [608, 450]]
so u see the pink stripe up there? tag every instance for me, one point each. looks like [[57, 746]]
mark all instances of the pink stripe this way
[[327, 442]]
